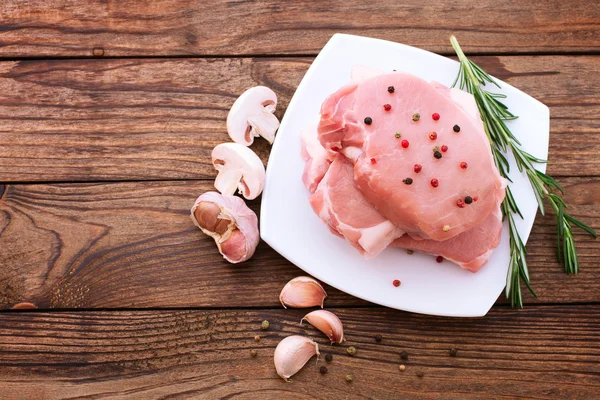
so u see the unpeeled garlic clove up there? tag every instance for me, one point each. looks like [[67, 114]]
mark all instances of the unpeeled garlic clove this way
[[328, 323], [302, 292], [229, 221], [292, 353]]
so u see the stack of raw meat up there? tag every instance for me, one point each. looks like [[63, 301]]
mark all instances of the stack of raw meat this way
[[395, 160]]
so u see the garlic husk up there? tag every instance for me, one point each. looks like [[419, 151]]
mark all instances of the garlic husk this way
[[328, 323], [292, 353], [302, 292], [229, 221]]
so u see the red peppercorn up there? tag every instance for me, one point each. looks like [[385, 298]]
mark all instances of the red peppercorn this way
[[434, 182], [433, 135], [396, 282], [475, 198], [405, 143], [463, 165], [387, 107], [435, 116], [439, 259], [418, 168], [373, 161], [460, 203], [444, 148]]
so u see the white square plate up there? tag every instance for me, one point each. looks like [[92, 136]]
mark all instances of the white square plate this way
[[289, 225]]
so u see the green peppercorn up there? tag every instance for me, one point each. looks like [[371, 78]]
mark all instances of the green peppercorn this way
[[265, 325], [416, 117], [253, 353], [397, 135], [351, 350], [349, 378]]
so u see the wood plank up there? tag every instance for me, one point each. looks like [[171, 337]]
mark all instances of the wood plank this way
[[540, 353], [115, 245], [90, 120], [187, 27]]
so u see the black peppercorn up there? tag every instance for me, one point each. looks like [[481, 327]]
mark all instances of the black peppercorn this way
[[453, 352], [404, 355], [378, 338], [420, 374], [368, 120], [437, 154], [328, 357], [468, 200], [407, 181], [391, 89], [323, 369], [456, 128]]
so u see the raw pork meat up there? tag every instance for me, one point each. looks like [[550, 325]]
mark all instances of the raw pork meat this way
[[382, 166], [471, 249], [362, 225], [316, 157], [348, 214]]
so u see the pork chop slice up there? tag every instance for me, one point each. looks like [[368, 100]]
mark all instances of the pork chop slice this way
[[471, 249], [354, 121], [316, 157], [348, 214]]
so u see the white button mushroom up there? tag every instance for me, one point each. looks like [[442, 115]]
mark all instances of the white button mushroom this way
[[252, 115], [239, 168], [229, 221]]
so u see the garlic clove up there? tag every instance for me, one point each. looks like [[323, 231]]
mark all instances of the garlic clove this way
[[328, 323], [302, 292], [229, 221], [292, 353]]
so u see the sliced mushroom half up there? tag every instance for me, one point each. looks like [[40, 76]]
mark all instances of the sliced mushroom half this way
[[252, 115], [239, 169]]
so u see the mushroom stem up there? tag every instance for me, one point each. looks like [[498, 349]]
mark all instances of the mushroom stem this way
[[264, 124], [227, 181]]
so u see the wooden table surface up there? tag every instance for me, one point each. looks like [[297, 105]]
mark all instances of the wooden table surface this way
[[108, 113]]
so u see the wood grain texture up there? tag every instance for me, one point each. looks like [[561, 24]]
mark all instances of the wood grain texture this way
[[114, 245], [67, 28], [91, 120], [550, 352]]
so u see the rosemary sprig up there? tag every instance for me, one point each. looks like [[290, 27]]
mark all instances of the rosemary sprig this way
[[494, 114]]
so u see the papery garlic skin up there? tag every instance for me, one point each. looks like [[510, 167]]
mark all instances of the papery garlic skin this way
[[328, 323], [302, 292], [229, 221], [292, 353]]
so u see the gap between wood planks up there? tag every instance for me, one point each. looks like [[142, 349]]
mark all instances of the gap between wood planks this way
[[275, 308], [291, 55]]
